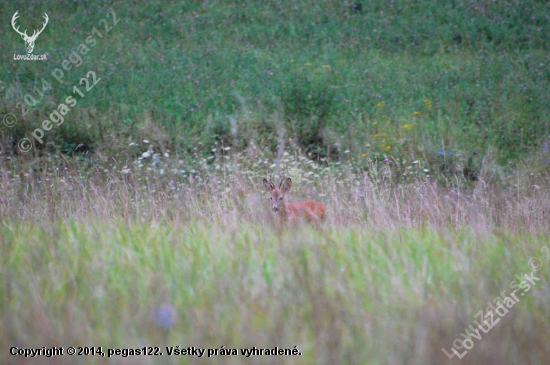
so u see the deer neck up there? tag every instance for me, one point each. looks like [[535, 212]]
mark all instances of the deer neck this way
[[282, 210]]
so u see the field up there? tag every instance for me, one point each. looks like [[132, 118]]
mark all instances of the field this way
[[139, 219]]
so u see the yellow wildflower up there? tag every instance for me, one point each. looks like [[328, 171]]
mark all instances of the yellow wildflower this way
[[380, 104], [388, 148], [375, 123], [364, 155], [377, 135], [406, 126], [416, 113]]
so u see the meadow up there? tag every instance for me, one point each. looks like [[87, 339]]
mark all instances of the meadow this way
[[393, 275], [141, 220]]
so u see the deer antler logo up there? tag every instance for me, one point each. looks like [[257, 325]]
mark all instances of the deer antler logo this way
[[29, 41]]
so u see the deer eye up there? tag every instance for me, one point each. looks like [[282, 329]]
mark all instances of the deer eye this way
[[281, 198], [271, 198]]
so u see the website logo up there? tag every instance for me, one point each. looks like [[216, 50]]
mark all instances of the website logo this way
[[29, 40]]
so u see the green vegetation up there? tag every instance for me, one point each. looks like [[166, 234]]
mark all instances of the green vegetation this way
[[346, 295], [462, 76], [422, 126], [123, 258]]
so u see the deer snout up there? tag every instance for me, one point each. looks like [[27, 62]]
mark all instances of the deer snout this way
[[275, 209]]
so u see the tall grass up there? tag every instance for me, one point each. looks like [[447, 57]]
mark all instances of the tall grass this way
[[346, 295], [421, 126], [226, 187], [135, 256]]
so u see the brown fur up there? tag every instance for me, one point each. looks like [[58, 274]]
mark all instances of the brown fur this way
[[309, 210]]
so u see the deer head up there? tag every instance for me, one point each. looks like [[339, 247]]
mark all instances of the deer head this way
[[277, 195], [29, 41]]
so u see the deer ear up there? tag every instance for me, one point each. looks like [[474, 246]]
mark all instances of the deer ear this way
[[268, 186], [287, 184]]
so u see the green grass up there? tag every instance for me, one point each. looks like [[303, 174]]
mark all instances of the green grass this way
[[344, 295], [141, 221], [179, 71]]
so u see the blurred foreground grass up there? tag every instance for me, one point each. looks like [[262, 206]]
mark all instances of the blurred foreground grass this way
[[341, 295]]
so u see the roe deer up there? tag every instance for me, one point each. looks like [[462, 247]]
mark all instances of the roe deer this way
[[312, 211]]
